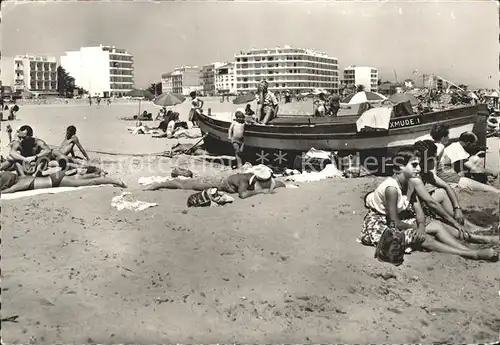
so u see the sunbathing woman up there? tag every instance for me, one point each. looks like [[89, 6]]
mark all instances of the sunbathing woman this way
[[439, 200], [59, 179], [394, 203]]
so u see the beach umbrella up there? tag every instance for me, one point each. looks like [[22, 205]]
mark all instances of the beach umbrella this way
[[139, 93], [169, 99], [363, 96], [403, 97], [247, 98]]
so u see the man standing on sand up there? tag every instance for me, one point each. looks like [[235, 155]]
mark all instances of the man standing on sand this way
[[258, 181], [267, 104]]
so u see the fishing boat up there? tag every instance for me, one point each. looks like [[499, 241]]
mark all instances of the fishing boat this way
[[287, 137]]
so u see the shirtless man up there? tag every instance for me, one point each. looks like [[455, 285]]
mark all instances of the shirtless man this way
[[259, 181], [27, 150]]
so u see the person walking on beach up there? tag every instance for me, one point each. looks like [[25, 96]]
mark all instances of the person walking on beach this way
[[196, 108], [235, 136], [395, 205], [90, 100], [267, 104]]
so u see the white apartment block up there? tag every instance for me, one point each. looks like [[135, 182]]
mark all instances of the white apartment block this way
[[207, 77], [182, 80], [30, 72], [293, 69], [361, 75], [225, 79], [105, 71]]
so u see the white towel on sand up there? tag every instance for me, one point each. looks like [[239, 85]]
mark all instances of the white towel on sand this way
[[147, 180], [55, 190], [126, 201], [330, 171]]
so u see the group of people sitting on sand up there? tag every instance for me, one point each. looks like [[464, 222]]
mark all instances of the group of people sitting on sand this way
[[419, 200], [32, 164]]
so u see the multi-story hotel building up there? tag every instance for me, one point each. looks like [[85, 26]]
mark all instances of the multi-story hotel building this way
[[105, 71], [30, 72], [293, 69], [207, 77], [361, 75], [182, 80], [225, 79]]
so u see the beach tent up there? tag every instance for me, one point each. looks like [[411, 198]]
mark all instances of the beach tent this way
[[363, 96]]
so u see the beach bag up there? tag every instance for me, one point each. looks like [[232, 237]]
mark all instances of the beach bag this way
[[391, 247], [201, 199], [209, 197], [181, 172]]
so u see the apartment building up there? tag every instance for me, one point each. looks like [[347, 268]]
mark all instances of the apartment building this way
[[30, 72], [104, 70], [287, 68], [182, 80], [225, 79], [361, 75], [207, 77]]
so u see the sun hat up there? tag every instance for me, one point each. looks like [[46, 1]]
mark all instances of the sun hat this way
[[262, 172]]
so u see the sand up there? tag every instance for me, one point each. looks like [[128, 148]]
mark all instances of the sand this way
[[272, 268]]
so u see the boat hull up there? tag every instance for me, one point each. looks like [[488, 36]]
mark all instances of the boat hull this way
[[287, 138]]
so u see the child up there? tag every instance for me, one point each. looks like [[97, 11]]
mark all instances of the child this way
[[9, 133], [394, 204], [196, 108], [235, 134]]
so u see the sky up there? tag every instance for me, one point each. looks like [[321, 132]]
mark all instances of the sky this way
[[456, 40]]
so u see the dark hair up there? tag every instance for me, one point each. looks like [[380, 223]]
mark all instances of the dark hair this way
[[28, 129], [425, 148], [70, 131], [192, 94], [440, 131], [402, 157], [468, 137]]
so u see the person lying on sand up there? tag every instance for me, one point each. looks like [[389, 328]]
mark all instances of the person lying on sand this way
[[259, 181], [394, 204], [26, 152], [441, 201], [456, 154], [12, 183]]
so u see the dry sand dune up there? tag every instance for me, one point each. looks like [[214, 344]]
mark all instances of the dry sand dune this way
[[272, 268]]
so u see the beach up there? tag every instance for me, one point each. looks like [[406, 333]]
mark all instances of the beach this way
[[272, 268]]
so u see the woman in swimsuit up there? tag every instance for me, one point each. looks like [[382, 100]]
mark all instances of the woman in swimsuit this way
[[60, 179], [395, 204]]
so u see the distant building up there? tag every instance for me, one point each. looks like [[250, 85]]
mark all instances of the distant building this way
[[225, 79], [105, 71], [432, 81], [361, 75], [30, 72], [293, 69], [182, 80], [207, 77], [409, 83]]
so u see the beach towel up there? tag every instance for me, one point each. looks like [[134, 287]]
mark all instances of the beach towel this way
[[330, 171], [54, 190], [377, 118], [156, 179], [126, 201]]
